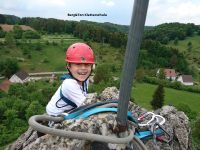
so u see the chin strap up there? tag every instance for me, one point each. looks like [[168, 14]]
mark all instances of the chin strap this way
[[83, 82]]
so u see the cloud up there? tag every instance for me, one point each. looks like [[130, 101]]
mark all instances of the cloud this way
[[108, 2], [118, 11], [184, 11]]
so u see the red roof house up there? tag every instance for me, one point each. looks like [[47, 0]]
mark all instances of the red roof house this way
[[170, 74]]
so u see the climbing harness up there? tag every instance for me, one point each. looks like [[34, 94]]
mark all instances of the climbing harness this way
[[65, 99]]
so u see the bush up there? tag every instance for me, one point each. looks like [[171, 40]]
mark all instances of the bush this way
[[102, 74], [2, 33], [30, 35], [187, 110], [158, 97]]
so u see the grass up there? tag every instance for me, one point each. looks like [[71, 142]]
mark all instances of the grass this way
[[193, 56], [143, 93], [182, 45]]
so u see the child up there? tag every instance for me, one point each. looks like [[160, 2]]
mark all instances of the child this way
[[72, 92]]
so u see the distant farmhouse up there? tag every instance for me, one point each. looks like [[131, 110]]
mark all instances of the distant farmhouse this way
[[186, 79], [20, 77], [173, 76], [170, 74]]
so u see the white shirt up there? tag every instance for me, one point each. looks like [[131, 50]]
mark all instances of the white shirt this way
[[72, 91]]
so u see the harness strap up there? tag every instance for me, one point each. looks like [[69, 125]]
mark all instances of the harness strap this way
[[66, 100]]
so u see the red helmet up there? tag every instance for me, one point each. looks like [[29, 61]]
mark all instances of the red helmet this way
[[79, 53]]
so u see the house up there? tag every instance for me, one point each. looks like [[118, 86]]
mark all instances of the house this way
[[5, 85], [170, 74], [20, 77], [186, 79]]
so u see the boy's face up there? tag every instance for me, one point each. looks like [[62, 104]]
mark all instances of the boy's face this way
[[80, 71]]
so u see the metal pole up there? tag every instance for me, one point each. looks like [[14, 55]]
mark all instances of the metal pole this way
[[131, 56]]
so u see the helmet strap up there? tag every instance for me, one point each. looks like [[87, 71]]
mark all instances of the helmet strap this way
[[76, 78]]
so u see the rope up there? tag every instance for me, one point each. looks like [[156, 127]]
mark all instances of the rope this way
[[33, 122]]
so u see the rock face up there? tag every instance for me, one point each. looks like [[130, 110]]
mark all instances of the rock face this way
[[177, 125]]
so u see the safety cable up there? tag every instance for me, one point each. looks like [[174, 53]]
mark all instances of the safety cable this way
[[33, 122]]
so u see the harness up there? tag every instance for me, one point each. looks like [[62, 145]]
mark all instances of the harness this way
[[65, 99]]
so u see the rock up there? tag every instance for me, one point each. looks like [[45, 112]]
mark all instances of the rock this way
[[111, 93], [177, 125], [91, 98]]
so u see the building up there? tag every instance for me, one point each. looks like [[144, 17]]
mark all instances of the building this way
[[186, 79], [170, 74], [20, 77]]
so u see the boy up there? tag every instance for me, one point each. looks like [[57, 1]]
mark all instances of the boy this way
[[72, 92]]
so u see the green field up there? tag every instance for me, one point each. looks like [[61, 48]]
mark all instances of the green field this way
[[142, 94], [182, 45], [193, 55]]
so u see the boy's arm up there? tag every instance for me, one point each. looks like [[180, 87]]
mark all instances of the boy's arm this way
[[73, 92]]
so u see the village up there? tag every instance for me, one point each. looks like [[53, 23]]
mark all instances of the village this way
[[23, 77]]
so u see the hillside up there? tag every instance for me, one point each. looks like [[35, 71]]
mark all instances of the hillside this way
[[192, 53], [8, 28], [9, 19], [47, 53]]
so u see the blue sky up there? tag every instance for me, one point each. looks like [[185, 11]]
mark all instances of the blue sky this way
[[117, 11]]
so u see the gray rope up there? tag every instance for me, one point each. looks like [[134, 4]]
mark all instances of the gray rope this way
[[33, 122], [108, 105]]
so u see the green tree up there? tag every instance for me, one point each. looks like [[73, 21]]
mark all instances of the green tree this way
[[34, 108], [158, 97], [196, 129], [173, 61], [10, 115], [86, 36], [139, 75], [189, 45], [9, 67], [161, 74], [102, 73], [2, 19], [9, 39], [30, 35], [176, 41], [2, 33], [17, 32], [187, 110]]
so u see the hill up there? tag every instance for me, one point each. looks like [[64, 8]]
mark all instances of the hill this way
[[9, 19], [191, 52], [8, 28]]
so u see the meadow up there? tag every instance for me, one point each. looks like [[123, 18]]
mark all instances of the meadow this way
[[143, 92]]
